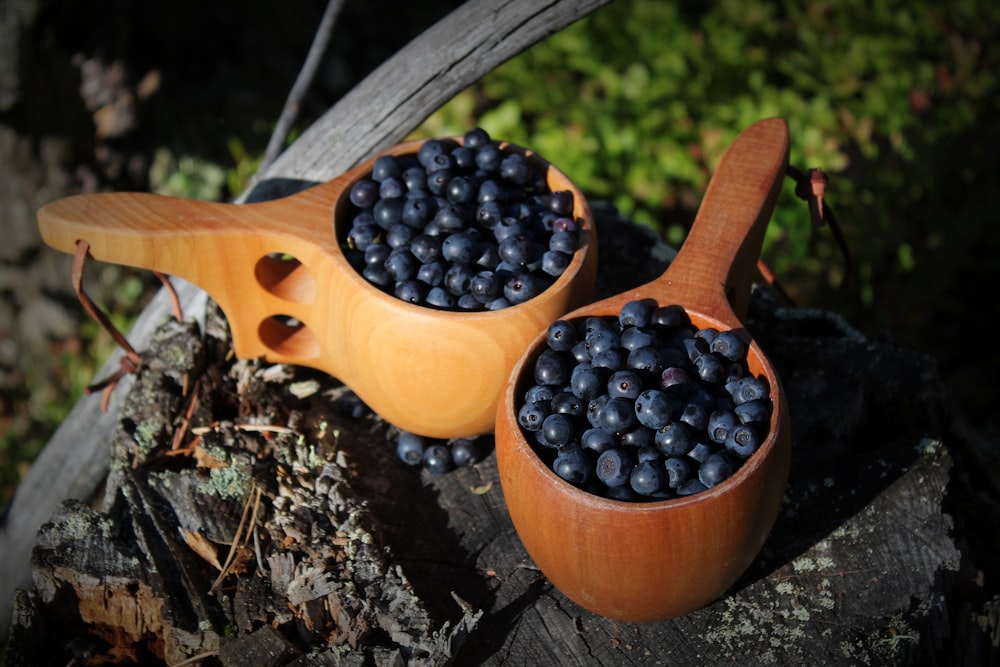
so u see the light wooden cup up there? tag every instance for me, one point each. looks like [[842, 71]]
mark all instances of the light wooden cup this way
[[290, 296], [654, 561]]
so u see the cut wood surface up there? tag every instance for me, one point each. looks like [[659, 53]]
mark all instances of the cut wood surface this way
[[389, 104]]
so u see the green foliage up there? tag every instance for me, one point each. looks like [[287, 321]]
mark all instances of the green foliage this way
[[637, 101]]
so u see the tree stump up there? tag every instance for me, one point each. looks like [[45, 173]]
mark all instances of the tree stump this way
[[251, 511]]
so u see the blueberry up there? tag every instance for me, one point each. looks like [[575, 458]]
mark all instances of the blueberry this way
[[675, 439], [561, 335], [597, 440], [507, 227], [515, 168], [476, 138], [586, 381], [410, 291], [426, 248], [691, 487], [706, 334], [437, 459], [554, 263], [440, 162], [439, 297], [531, 416], [388, 212], [564, 242], [558, 429], [746, 389], [594, 408], [729, 345], [458, 279], [488, 157], [485, 286], [560, 202], [401, 264], [614, 466], [459, 248], [716, 469], [362, 235], [377, 275], [600, 340], [437, 181], [701, 451], [719, 424], [756, 412], [572, 464], [466, 452], [647, 361], [465, 158], [469, 303], [550, 369], [742, 441], [376, 253], [415, 179], [610, 360], [695, 416], [618, 416], [579, 352], [391, 188], [652, 409], [520, 287], [633, 338], [640, 436], [516, 250], [637, 313], [625, 384], [675, 381], [710, 368], [385, 166], [671, 317], [494, 192], [429, 149], [364, 193], [695, 347], [460, 190], [489, 213], [400, 235], [565, 402], [431, 273], [539, 392], [564, 224], [416, 212], [647, 478], [678, 470], [410, 448]]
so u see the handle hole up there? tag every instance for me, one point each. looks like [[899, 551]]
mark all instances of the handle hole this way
[[285, 277], [289, 337]]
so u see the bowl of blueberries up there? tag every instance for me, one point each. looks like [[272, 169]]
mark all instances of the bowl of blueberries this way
[[643, 441], [461, 250], [417, 278]]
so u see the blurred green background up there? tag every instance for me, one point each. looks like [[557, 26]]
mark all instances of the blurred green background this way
[[896, 101]]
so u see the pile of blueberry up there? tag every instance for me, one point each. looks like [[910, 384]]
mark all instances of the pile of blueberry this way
[[645, 406], [441, 456], [460, 226]]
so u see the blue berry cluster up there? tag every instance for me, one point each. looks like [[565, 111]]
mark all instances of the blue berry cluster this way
[[460, 226], [645, 406], [440, 456]]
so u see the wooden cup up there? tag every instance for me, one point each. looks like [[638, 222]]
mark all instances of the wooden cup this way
[[290, 296], [657, 560]]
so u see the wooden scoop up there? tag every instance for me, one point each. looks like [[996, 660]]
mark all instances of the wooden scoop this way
[[653, 561], [289, 294]]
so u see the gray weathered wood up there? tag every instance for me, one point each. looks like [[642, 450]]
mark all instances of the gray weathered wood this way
[[391, 102]]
